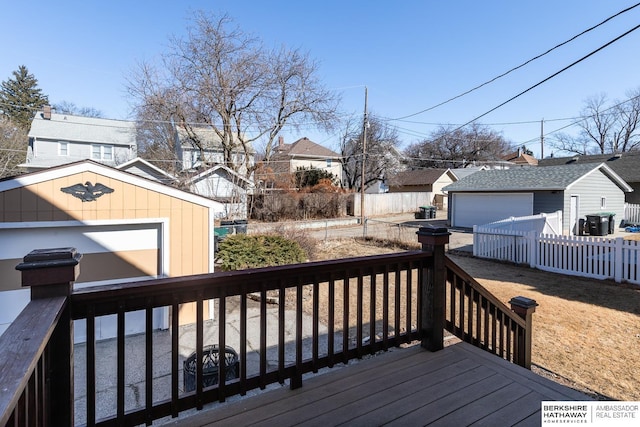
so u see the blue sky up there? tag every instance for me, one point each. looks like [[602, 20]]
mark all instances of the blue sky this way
[[411, 55]]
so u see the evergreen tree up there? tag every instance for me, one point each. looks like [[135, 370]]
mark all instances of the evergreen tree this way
[[21, 97]]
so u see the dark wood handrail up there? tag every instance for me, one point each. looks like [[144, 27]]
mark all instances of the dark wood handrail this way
[[221, 284], [476, 316], [22, 351]]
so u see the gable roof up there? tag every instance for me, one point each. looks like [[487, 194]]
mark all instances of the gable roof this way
[[141, 167], [209, 139], [210, 171], [627, 165], [418, 177], [463, 172], [520, 158], [65, 127], [304, 147], [533, 178], [95, 167]]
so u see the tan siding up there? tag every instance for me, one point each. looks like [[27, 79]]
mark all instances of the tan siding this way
[[188, 223], [106, 266], [187, 239]]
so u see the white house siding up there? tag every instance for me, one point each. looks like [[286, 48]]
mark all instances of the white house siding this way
[[46, 153], [590, 190], [441, 182]]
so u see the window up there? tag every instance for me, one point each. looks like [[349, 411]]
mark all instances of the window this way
[[603, 202], [328, 163], [101, 152], [63, 148], [107, 152]]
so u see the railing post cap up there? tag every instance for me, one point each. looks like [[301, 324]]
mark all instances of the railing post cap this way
[[43, 267], [46, 258], [433, 231], [523, 302], [430, 237]]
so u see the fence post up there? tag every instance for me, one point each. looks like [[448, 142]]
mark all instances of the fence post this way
[[432, 287], [618, 259], [524, 307], [49, 273], [532, 237], [476, 243]]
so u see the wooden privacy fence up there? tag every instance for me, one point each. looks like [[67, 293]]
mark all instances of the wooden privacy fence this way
[[595, 257]]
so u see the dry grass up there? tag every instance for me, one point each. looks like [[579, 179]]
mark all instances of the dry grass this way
[[585, 330]]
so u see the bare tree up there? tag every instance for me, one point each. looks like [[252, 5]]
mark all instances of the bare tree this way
[[13, 147], [382, 155], [67, 107], [604, 129], [225, 81], [449, 148]]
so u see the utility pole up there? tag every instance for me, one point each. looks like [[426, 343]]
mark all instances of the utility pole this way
[[364, 153], [542, 139]]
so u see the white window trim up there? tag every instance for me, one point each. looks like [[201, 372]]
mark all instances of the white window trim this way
[[102, 147], [66, 148], [603, 202]]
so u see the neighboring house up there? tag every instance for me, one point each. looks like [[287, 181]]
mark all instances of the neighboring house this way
[[626, 165], [423, 180], [141, 167], [225, 186], [212, 154], [521, 159], [58, 139], [304, 153], [576, 190], [125, 226]]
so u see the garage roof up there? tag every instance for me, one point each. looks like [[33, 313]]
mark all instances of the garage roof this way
[[533, 178]]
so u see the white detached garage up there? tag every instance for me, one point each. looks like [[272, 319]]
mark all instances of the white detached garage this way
[[576, 190]]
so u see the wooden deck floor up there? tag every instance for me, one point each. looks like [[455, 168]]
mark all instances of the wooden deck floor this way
[[458, 386]]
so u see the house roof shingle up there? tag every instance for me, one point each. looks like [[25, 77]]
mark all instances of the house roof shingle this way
[[65, 127], [627, 165], [304, 147], [532, 178]]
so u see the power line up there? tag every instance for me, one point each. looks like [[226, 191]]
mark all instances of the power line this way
[[519, 66], [550, 77]]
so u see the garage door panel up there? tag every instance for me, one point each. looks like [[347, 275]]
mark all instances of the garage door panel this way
[[483, 208]]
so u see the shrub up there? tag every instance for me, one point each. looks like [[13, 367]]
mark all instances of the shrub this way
[[307, 242], [242, 251]]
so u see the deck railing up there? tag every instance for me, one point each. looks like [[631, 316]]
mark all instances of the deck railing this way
[[476, 316], [396, 298]]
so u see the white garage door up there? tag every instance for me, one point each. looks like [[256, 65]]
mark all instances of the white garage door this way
[[482, 208]]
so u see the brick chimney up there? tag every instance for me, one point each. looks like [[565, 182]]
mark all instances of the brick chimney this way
[[47, 112], [281, 143]]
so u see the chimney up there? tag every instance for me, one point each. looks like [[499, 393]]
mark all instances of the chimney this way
[[47, 112], [280, 142]]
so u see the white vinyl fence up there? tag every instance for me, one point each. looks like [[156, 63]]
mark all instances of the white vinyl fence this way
[[544, 223], [631, 214], [595, 257]]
